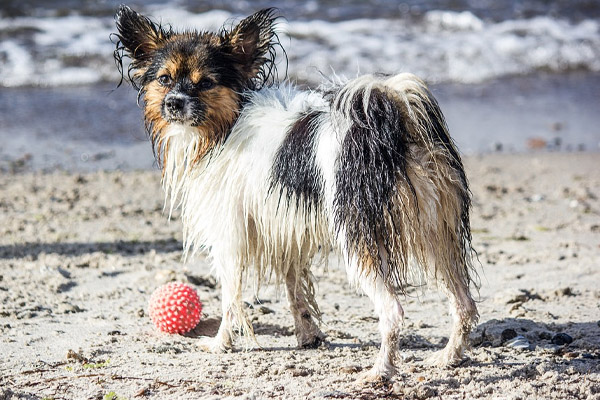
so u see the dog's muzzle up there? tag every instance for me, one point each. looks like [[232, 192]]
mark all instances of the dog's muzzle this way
[[181, 108]]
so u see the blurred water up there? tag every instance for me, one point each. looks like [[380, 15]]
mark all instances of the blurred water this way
[[505, 71], [65, 42]]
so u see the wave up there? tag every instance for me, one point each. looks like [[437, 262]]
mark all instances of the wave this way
[[441, 46]]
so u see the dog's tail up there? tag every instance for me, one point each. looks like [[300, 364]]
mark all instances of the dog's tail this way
[[401, 194]]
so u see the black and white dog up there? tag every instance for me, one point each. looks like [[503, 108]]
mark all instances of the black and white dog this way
[[267, 175]]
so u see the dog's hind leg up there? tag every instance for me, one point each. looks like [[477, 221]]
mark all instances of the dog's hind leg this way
[[390, 313], [464, 314], [300, 295]]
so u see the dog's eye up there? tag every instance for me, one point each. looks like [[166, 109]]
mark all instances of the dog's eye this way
[[206, 84], [165, 80]]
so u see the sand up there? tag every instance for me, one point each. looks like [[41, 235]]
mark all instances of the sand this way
[[80, 255]]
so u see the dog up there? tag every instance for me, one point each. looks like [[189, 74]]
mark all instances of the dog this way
[[267, 176]]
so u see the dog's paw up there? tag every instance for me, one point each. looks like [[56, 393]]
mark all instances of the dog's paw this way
[[213, 345], [311, 341], [445, 359], [373, 376]]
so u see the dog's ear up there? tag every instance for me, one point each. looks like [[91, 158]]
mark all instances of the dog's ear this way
[[138, 36], [251, 42]]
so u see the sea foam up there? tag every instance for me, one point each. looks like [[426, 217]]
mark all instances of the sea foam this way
[[441, 46]]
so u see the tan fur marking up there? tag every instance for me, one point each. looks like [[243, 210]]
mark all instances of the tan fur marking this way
[[196, 76], [221, 113], [171, 67]]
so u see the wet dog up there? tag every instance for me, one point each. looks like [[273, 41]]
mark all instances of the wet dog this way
[[267, 176]]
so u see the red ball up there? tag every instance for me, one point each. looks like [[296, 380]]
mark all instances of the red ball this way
[[175, 308]]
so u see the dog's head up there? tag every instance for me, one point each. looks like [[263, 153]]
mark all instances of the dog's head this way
[[194, 78]]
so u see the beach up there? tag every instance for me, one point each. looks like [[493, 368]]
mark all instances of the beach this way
[[85, 238], [81, 253]]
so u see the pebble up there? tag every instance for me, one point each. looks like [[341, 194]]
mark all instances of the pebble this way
[[508, 334], [537, 198], [545, 335], [420, 392], [425, 392], [66, 308], [164, 276], [550, 349], [562, 339], [519, 342], [265, 310], [350, 369], [300, 372]]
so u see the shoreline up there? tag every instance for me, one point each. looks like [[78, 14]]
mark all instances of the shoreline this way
[[91, 128]]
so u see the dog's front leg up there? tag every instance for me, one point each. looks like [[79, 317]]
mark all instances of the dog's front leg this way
[[233, 315]]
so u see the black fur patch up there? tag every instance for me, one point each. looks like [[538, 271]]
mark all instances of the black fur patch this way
[[439, 136], [372, 165], [372, 160], [295, 168]]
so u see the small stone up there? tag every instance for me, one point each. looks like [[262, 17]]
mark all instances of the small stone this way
[[550, 349], [300, 372], [508, 334], [350, 369], [425, 392], [197, 280], [265, 310], [519, 342], [536, 198], [422, 325], [566, 291], [66, 308], [164, 276], [73, 355], [545, 335], [397, 388], [561, 339], [520, 238]]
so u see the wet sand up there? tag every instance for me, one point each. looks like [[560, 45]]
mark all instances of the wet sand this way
[[80, 254]]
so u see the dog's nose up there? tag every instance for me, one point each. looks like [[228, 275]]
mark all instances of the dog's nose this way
[[175, 103]]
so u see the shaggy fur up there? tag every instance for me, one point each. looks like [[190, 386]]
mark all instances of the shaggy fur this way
[[268, 176]]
